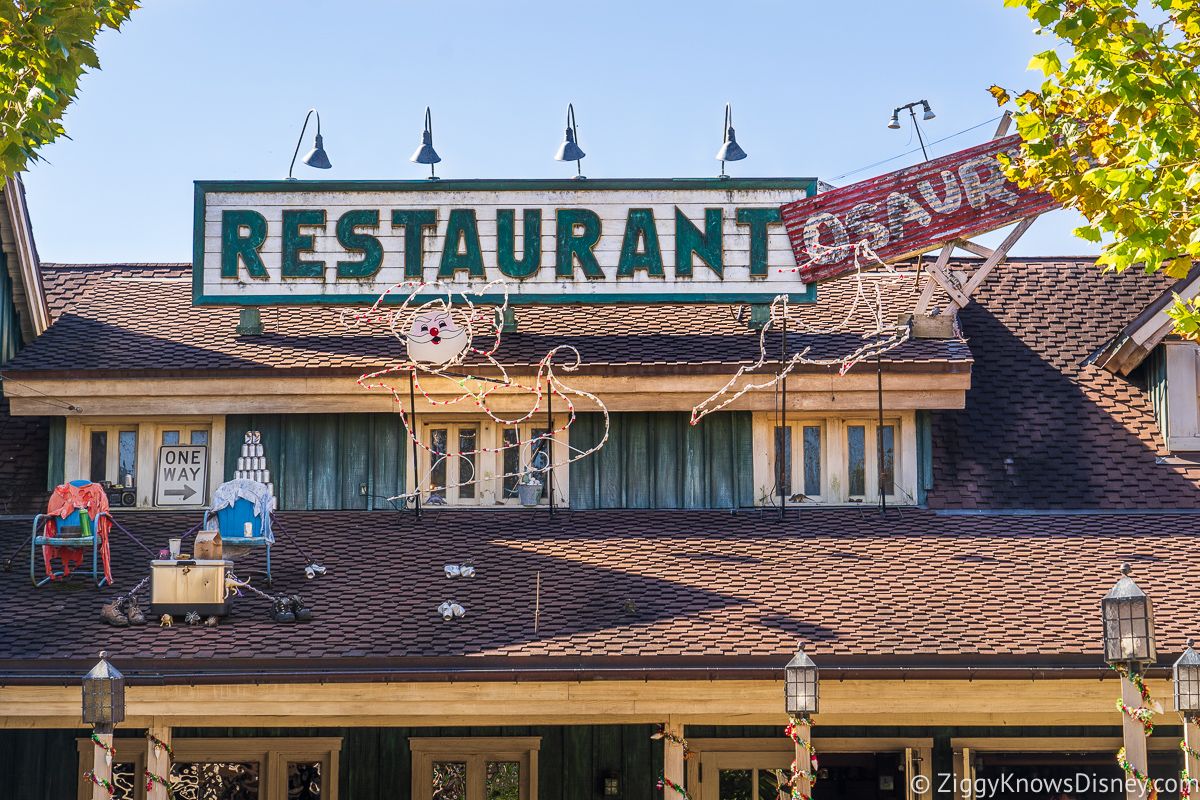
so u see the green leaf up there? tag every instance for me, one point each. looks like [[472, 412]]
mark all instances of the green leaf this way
[[1047, 62]]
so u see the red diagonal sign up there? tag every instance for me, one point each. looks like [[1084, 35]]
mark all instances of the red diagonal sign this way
[[910, 211]]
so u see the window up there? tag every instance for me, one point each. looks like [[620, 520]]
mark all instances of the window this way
[[112, 454], [474, 768], [866, 443], [526, 451], [800, 444], [183, 434], [453, 476], [247, 769]]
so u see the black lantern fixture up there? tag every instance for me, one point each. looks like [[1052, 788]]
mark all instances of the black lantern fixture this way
[[570, 149], [103, 696], [730, 149], [1128, 623], [315, 157], [1186, 674], [425, 153], [612, 785], [801, 685]]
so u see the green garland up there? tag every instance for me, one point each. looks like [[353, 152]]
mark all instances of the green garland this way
[[151, 778], [91, 776], [663, 780], [1142, 715], [811, 773]]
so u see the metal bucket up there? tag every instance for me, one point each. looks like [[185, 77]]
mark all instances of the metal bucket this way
[[529, 493]]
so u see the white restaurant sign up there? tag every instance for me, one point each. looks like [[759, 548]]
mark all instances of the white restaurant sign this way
[[553, 241]]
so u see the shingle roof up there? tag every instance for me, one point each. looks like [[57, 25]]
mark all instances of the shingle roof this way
[[139, 318], [678, 586], [1043, 428]]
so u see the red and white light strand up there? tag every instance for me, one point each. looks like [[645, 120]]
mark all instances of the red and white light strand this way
[[792, 732], [473, 387], [883, 339]]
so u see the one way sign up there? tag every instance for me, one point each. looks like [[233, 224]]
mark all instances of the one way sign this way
[[182, 477]]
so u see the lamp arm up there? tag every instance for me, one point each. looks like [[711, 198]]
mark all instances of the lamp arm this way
[[303, 128]]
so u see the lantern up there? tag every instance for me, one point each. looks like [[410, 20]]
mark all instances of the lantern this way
[[612, 785], [1186, 674], [801, 685], [1128, 623], [104, 695]]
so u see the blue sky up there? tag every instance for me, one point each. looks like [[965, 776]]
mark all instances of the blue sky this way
[[218, 89]]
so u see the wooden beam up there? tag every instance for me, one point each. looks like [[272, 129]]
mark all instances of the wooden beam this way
[[673, 755], [927, 291], [157, 759], [971, 247], [938, 273], [997, 257], [720, 702]]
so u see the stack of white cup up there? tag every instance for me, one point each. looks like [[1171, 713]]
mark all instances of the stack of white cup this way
[[252, 464]]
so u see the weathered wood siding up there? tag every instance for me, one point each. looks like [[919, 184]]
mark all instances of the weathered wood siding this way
[[658, 460], [10, 320], [320, 461], [924, 455]]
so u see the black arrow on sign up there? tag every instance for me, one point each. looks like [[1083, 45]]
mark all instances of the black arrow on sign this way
[[185, 492]]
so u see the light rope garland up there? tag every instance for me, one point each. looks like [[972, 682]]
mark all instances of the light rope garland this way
[[473, 387], [780, 313], [1141, 715], [792, 732], [152, 778]]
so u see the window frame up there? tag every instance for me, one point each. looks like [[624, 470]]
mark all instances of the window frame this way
[[186, 429], [525, 435], [425, 454], [476, 751], [272, 755], [112, 458], [797, 454], [871, 458]]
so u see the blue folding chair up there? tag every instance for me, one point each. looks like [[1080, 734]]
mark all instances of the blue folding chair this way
[[71, 532], [232, 510]]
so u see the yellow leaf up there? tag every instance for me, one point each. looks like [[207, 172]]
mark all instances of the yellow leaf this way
[[1000, 95]]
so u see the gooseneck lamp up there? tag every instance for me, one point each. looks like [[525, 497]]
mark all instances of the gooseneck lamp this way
[[315, 157], [801, 686], [730, 149], [1128, 623], [1186, 675], [894, 123], [425, 153], [570, 149], [103, 696]]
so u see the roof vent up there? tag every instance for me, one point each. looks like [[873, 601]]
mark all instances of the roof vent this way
[[250, 322]]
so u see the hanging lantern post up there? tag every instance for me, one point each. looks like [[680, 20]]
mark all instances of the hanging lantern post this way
[[1128, 617], [801, 691], [1186, 678], [103, 708]]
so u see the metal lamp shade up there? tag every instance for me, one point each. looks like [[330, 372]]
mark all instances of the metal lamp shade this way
[[425, 153], [1128, 623], [801, 685], [569, 151], [928, 112], [317, 157], [103, 694], [895, 122], [730, 150], [1186, 673]]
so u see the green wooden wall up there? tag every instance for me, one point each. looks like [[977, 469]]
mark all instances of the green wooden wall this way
[[1156, 381], [924, 455], [320, 461], [656, 459]]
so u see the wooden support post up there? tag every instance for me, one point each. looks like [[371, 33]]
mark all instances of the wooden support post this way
[[673, 762], [158, 763], [998, 255], [1191, 737], [803, 759], [1134, 736], [940, 266], [102, 768]]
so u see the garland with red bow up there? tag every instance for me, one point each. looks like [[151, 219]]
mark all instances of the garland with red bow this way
[[107, 748], [663, 780], [792, 732]]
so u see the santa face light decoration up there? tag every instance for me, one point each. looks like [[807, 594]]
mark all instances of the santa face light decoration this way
[[435, 338]]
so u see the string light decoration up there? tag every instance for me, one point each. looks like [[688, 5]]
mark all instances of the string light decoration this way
[[882, 340], [440, 336]]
